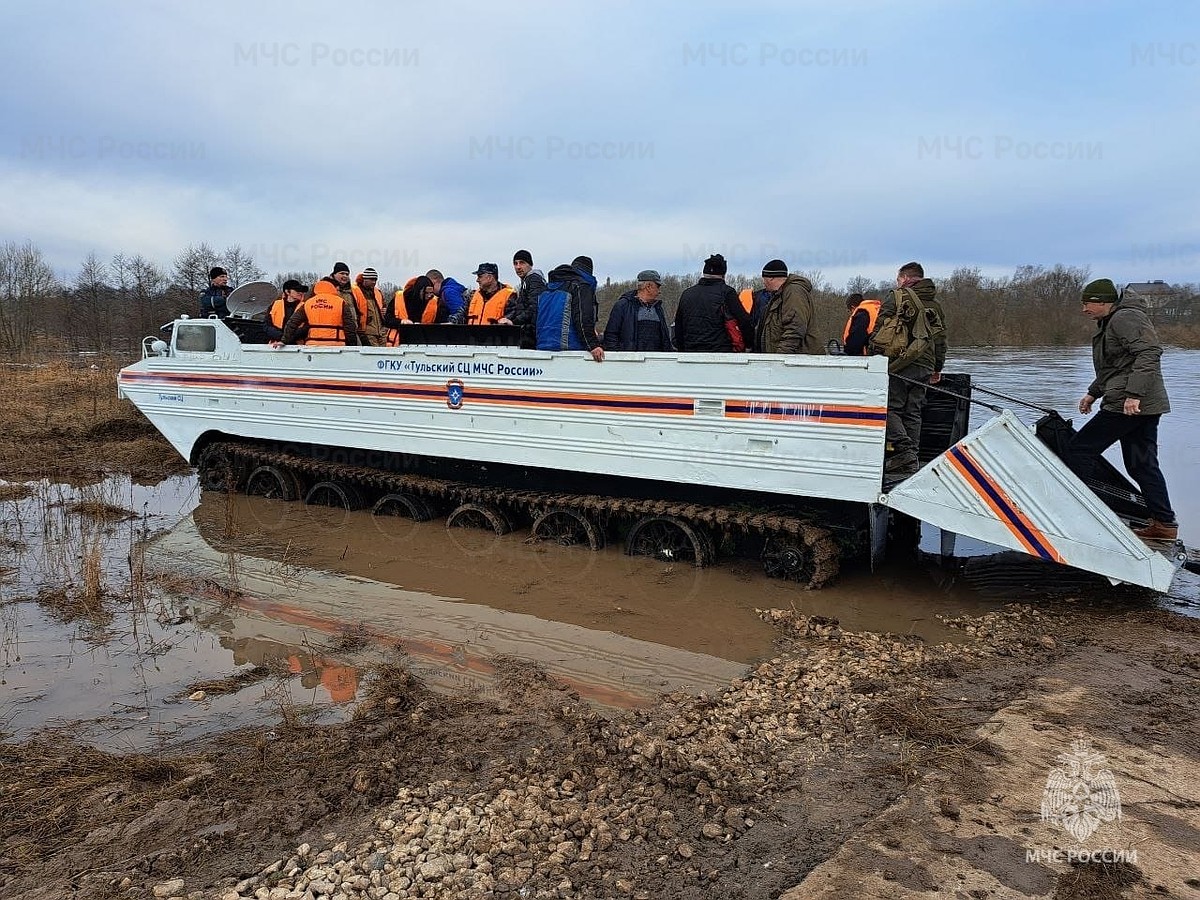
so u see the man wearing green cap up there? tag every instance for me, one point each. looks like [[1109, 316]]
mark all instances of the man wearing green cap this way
[[1129, 384]]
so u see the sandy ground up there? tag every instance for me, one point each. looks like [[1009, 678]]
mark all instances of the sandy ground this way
[[849, 764]]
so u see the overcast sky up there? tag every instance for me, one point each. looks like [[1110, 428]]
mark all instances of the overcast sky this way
[[847, 137]]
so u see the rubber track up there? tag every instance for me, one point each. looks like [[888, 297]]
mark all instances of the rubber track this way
[[819, 541]]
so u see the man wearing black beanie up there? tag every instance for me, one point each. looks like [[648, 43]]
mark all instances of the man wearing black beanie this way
[[521, 308], [787, 321], [212, 301], [710, 318]]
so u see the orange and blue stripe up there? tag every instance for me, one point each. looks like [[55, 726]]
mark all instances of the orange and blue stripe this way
[[1028, 534], [677, 406], [822, 413], [772, 410]]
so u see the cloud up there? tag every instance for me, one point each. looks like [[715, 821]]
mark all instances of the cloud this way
[[846, 139]]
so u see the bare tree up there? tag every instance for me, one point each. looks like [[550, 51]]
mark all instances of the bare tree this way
[[860, 284], [26, 284], [240, 266], [192, 266], [90, 314], [145, 312]]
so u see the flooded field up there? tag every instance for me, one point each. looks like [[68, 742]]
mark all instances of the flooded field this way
[[229, 696], [119, 599]]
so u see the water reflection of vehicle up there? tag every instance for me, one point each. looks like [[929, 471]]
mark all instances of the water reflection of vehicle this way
[[451, 644], [338, 679], [684, 457]]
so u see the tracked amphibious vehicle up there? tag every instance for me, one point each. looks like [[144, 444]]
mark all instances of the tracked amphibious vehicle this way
[[682, 456]]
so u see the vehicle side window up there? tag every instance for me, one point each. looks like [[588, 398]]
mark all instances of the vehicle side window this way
[[196, 338]]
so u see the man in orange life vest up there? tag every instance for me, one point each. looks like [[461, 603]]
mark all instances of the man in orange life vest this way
[[281, 310], [326, 318], [368, 302], [487, 304], [415, 304], [859, 325]]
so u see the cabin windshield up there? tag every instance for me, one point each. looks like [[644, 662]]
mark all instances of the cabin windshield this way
[[195, 338]]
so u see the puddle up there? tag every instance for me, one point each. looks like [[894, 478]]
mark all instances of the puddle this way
[[107, 655], [145, 591]]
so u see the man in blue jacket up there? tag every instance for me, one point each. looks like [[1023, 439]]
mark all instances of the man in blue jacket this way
[[637, 321], [566, 311], [450, 291]]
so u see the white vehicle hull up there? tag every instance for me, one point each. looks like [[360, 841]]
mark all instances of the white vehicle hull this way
[[788, 426]]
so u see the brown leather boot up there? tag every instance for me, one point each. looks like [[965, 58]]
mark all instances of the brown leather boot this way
[[1157, 531]]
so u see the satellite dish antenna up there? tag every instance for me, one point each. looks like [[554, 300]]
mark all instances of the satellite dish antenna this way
[[252, 300]]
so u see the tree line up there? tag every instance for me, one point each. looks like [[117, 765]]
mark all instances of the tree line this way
[[109, 305]]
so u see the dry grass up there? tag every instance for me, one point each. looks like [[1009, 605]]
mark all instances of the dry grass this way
[[100, 510], [349, 638], [75, 605], [1097, 881], [44, 788], [65, 421], [230, 684], [14, 492], [932, 737]]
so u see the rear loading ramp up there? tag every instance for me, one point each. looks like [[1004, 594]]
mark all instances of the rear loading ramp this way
[[1004, 486]]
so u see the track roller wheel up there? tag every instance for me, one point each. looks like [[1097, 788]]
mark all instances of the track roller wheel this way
[[272, 482], [810, 559], [479, 515], [217, 470], [408, 506], [336, 494], [560, 525], [670, 539], [788, 558]]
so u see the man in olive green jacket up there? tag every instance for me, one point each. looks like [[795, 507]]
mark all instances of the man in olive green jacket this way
[[787, 320], [1126, 355], [906, 390]]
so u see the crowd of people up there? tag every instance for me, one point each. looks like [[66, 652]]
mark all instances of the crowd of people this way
[[907, 324]]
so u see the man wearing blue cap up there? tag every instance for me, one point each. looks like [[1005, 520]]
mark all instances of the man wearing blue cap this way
[[487, 304]]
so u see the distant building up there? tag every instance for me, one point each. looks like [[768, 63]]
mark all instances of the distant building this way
[[1156, 294]]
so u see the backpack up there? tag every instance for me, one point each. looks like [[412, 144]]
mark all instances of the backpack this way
[[735, 333], [555, 328], [909, 332]]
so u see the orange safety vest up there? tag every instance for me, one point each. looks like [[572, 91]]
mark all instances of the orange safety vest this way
[[360, 300], [428, 315], [279, 314], [872, 308], [489, 311], [747, 298], [325, 313]]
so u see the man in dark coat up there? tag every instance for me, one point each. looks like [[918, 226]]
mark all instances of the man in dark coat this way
[[637, 321], [704, 309], [521, 308], [1126, 354], [212, 301], [786, 325]]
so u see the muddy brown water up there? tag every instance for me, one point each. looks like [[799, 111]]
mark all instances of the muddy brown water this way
[[199, 587]]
